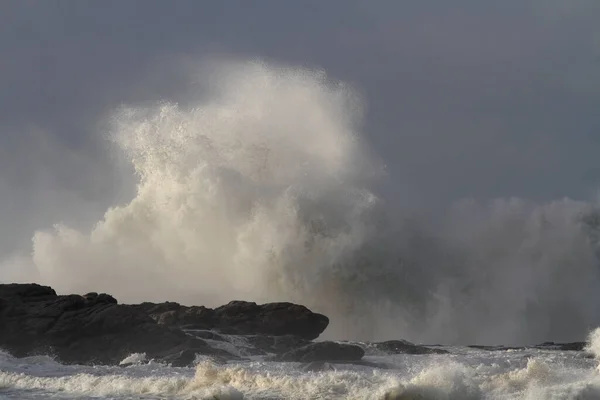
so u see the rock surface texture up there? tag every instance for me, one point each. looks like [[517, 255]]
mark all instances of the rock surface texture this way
[[94, 328], [240, 318]]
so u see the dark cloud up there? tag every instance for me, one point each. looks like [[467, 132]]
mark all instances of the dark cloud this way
[[465, 99]]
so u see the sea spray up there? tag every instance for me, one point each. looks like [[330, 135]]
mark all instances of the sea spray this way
[[256, 194], [263, 189]]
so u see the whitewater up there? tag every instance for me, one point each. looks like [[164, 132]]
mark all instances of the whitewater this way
[[263, 187], [464, 374]]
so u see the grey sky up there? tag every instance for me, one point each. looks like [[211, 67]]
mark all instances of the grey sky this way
[[464, 98]]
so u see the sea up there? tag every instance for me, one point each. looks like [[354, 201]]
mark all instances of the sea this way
[[464, 373]]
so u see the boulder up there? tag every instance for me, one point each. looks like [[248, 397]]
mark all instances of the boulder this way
[[573, 346], [276, 344], [405, 347], [89, 329], [95, 329], [241, 318], [323, 351]]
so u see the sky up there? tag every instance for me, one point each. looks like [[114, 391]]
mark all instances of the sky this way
[[464, 99]]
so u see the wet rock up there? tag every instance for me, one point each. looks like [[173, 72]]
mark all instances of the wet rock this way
[[89, 329], [189, 357], [207, 335], [276, 344], [95, 329], [573, 346], [405, 347], [241, 318], [323, 351]]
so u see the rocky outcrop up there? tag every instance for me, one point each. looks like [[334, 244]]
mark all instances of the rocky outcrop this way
[[323, 351], [572, 346], [83, 329], [276, 344], [95, 329], [404, 347], [241, 318]]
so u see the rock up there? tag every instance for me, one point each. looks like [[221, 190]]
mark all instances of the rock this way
[[26, 291], [573, 346], [275, 319], [182, 358], [323, 351], [202, 334], [176, 315], [90, 296], [241, 318], [276, 344], [83, 329], [495, 348], [106, 299], [95, 329], [404, 347]]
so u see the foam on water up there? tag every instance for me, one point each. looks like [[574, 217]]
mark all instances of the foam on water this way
[[464, 374], [135, 358]]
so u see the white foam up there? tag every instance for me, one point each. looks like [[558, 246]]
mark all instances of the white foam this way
[[252, 194], [466, 376], [134, 358], [593, 343]]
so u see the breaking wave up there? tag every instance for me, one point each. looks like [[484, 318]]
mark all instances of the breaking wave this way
[[472, 376], [264, 189]]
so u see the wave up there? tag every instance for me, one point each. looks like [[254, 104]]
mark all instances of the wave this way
[[422, 377], [264, 188]]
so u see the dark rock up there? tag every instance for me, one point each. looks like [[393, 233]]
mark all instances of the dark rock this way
[[276, 344], [495, 348], [371, 364], [182, 358], [95, 329], [276, 319], [78, 329], [207, 335], [573, 346], [106, 299], [241, 318], [90, 296], [323, 351], [26, 291], [176, 315], [404, 347]]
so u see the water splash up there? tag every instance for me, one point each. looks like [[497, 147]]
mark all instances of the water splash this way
[[262, 189]]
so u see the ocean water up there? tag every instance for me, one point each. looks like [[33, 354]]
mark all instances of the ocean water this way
[[464, 374]]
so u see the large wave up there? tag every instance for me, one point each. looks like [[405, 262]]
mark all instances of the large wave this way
[[263, 189]]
